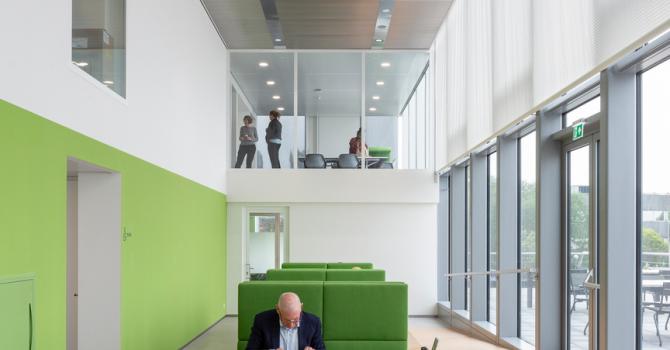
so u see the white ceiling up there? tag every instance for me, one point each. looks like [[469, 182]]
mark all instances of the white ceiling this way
[[328, 24], [338, 76]]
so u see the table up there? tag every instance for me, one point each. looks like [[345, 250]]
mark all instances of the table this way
[[333, 160]]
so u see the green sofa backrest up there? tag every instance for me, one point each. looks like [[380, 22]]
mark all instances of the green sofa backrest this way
[[367, 311], [355, 315], [356, 275], [298, 265], [343, 265], [326, 275], [297, 275], [258, 296]]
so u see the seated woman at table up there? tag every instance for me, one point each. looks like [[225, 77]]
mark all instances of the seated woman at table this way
[[355, 144]]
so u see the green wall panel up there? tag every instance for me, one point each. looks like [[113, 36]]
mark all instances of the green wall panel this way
[[174, 265]]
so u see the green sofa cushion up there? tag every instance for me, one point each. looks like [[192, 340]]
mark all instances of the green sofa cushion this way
[[343, 265], [355, 275], [297, 275], [380, 310], [305, 265], [365, 345], [257, 296]]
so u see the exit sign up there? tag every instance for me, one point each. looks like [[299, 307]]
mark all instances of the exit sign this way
[[578, 131]]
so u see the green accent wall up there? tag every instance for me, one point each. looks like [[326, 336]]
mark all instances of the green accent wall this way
[[173, 271]]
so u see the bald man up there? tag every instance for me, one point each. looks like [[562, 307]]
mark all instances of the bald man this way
[[286, 327]]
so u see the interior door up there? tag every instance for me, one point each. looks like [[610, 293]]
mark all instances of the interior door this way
[[580, 187], [266, 243]]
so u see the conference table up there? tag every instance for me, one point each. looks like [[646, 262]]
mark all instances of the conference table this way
[[330, 161]]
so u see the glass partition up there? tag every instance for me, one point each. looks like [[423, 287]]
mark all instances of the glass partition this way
[[527, 302], [333, 93], [99, 41], [265, 82], [329, 95]]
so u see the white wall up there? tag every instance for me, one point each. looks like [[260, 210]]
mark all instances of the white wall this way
[[177, 83], [387, 217], [334, 133]]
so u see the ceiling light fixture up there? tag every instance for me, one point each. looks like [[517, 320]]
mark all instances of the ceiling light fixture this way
[[386, 64], [380, 83], [276, 97], [108, 82], [281, 109], [277, 40], [270, 82], [81, 64], [263, 64], [375, 97], [373, 109], [386, 10], [379, 40]]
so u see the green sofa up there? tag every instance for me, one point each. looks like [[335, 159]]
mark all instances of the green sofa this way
[[336, 265], [326, 275], [355, 315]]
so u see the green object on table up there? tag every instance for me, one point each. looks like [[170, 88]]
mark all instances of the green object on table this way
[[380, 152]]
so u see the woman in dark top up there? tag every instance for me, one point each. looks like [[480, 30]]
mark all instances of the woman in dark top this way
[[248, 138], [273, 138]]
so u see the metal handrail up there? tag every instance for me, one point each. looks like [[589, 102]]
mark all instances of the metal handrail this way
[[487, 273]]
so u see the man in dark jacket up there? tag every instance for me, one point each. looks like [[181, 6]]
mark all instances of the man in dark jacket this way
[[287, 327]]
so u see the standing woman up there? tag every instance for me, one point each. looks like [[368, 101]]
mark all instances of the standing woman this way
[[248, 138], [273, 138]]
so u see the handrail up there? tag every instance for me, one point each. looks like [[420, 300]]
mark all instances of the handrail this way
[[487, 273]]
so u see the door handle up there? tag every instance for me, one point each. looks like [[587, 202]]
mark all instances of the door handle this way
[[589, 284], [30, 326]]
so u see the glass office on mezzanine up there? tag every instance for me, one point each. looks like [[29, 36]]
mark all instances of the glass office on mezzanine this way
[[326, 97]]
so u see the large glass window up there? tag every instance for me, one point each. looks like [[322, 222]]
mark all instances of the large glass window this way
[[492, 241], [582, 112], [99, 41], [654, 247], [527, 236]]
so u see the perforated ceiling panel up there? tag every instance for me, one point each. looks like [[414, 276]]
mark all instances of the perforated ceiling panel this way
[[327, 24]]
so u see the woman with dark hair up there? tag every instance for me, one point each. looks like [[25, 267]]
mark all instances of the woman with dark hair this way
[[273, 138], [355, 145], [248, 138]]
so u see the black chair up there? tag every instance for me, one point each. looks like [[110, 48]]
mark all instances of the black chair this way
[[315, 161], [659, 307], [577, 290], [347, 161]]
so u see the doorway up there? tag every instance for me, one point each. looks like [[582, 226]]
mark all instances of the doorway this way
[[93, 257], [267, 239], [580, 232]]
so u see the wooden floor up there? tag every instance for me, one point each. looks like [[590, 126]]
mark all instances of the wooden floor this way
[[422, 331]]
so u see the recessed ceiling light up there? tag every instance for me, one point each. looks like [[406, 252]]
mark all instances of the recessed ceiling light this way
[[263, 64], [386, 64], [270, 82], [281, 109], [81, 64], [108, 82], [379, 40], [375, 97], [277, 40], [380, 83], [386, 10], [276, 97], [373, 109]]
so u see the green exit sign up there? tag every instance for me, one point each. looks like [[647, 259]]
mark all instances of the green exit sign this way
[[578, 131]]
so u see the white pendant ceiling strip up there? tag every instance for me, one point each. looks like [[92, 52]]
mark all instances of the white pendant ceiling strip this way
[[272, 21], [384, 14]]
